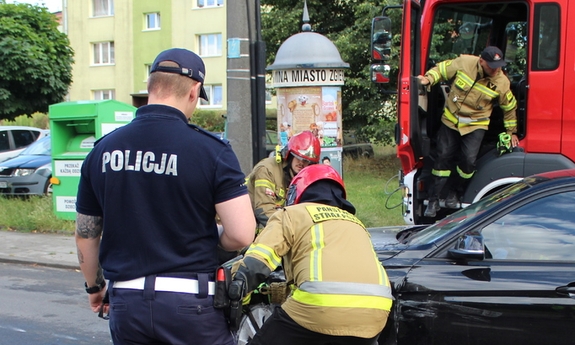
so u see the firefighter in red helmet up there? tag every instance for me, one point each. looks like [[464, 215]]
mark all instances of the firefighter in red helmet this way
[[268, 181], [340, 293]]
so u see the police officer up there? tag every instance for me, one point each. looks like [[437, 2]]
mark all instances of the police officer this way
[[269, 179], [341, 292], [146, 209], [478, 83]]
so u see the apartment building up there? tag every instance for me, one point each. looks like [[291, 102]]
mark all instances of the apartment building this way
[[115, 43]]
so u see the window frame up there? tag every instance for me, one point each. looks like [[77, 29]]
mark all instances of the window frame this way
[[97, 49], [102, 92], [211, 96], [105, 12], [209, 3], [157, 21], [207, 48]]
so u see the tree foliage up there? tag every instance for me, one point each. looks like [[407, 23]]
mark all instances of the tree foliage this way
[[347, 23], [36, 60]]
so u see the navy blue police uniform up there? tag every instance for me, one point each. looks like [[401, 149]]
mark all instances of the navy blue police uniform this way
[[155, 182]]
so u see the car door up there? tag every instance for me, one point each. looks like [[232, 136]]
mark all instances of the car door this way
[[523, 292]]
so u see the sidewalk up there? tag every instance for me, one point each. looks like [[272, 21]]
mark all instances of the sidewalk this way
[[51, 250]]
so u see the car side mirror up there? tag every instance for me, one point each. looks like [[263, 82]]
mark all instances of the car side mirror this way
[[468, 246]]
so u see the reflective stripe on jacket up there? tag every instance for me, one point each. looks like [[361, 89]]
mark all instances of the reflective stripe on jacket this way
[[266, 188], [341, 288], [472, 95]]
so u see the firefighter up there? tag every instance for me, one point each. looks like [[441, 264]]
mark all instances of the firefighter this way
[[340, 292], [268, 181], [478, 84]]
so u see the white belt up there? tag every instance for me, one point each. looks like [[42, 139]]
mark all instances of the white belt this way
[[166, 284]]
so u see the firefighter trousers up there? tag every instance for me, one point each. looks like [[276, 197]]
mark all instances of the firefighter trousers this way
[[280, 329], [452, 147]]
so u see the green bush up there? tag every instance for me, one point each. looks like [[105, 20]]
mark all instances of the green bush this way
[[38, 120]]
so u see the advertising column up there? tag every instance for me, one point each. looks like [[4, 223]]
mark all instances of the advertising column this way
[[310, 99]]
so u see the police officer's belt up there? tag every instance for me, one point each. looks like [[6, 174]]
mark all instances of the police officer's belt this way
[[168, 284]]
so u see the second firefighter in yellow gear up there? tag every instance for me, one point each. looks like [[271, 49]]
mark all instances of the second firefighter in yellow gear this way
[[269, 179], [340, 289]]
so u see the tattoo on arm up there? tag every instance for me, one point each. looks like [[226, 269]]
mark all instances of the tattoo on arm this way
[[99, 275], [88, 226]]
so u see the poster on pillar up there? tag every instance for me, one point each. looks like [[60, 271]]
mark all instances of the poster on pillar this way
[[313, 108]]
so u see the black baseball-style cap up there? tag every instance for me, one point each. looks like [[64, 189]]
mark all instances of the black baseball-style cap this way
[[493, 56], [191, 65]]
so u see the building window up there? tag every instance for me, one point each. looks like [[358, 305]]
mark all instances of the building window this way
[[215, 95], [210, 3], [152, 21], [104, 94], [102, 8], [104, 53], [211, 45], [148, 68]]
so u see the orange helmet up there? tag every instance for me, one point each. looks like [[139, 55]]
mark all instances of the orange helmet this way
[[303, 145], [309, 175]]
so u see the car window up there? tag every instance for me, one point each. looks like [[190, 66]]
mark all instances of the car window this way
[[540, 230], [22, 138], [4, 142], [40, 147], [272, 137]]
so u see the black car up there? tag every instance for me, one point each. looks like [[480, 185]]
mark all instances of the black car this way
[[501, 271]]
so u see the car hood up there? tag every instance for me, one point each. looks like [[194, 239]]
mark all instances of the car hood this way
[[26, 162], [385, 241]]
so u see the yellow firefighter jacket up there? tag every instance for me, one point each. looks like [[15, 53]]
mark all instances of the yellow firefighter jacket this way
[[472, 95], [339, 285], [267, 187]]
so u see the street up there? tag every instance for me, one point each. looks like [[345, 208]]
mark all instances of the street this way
[[41, 305]]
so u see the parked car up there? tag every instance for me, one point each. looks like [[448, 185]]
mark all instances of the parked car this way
[[501, 271], [271, 142], [28, 173], [354, 147], [14, 139]]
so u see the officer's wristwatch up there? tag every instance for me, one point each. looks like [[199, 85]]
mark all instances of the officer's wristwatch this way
[[95, 289]]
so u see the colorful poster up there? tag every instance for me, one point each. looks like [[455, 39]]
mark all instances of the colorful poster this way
[[317, 109]]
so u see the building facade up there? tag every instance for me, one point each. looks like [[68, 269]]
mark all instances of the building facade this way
[[115, 43]]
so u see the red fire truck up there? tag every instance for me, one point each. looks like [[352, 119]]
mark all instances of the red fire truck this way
[[538, 42]]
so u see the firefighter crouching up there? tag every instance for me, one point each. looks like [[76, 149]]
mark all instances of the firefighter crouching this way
[[340, 291], [269, 179]]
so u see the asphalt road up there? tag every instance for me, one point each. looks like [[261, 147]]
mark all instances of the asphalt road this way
[[45, 306]]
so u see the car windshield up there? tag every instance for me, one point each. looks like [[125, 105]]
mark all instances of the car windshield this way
[[436, 231], [38, 148]]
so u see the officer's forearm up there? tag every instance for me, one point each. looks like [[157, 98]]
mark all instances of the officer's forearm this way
[[88, 232]]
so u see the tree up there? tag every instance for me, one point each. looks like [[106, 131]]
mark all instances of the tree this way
[[36, 60], [347, 23]]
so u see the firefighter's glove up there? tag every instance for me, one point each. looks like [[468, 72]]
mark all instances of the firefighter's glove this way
[[504, 143]]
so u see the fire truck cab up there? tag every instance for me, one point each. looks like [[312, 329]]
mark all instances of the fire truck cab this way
[[535, 38]]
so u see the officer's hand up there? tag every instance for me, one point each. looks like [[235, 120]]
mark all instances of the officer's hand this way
[[96, 299], [514, 140], [423, 80]]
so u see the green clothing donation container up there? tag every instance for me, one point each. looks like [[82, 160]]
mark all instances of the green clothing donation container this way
[[74, 127]]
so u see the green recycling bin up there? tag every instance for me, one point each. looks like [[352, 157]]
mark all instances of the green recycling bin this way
[[74, 127]]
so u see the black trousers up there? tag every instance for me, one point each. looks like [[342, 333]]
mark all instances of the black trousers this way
[[280, 329], [455, 150]]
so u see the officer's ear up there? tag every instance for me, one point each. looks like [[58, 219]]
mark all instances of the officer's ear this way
[[195, 91]]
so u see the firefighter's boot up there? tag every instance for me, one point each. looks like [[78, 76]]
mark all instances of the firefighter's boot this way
[[452, 201], [432, 208]]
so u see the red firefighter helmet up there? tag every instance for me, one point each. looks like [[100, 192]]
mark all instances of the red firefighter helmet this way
[[309, 175], [303, 145]]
